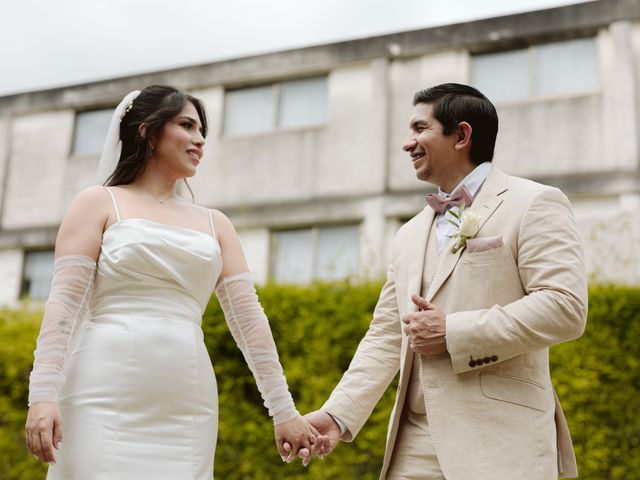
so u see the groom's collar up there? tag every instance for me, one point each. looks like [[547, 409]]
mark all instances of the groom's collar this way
[[474, 180]]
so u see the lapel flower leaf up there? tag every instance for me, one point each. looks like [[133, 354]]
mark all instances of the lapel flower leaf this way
[[455, 224], [468, 226]]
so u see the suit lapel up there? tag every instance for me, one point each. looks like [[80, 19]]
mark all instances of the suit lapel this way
[[416, 265], [418, 237], [485, 203]]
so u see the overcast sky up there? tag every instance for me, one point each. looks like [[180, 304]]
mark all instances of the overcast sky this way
[[49, 43]]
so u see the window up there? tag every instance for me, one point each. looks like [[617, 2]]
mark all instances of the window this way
[[90, 131], [324, 253], [543, 70], [298, 103], [303, 103], [37, 274]]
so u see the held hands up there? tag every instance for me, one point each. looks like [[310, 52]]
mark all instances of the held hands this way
[[326, 442], [295, 438], [44, 430], [426, 328]]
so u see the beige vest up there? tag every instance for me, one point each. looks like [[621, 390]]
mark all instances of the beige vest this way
[[415, 394]]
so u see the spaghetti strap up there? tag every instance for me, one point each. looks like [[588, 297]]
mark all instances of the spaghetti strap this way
[[115, 204], [213, 231]]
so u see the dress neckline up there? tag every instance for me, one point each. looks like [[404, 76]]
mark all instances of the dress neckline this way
[[160, 224]]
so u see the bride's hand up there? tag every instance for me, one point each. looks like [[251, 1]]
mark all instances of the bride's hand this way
[[44, 430], [299, 435]]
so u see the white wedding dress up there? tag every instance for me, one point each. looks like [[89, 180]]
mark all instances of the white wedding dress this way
[[139, 401]]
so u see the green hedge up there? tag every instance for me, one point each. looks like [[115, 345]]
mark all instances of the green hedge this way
[[317, 329], [597, 379], [18, 332]]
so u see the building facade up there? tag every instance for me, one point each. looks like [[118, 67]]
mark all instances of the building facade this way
[[303, 152]]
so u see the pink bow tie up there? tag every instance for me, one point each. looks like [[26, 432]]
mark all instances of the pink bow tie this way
[[441, 201]]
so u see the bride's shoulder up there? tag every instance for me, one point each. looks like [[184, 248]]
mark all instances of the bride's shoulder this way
[[216, 215], [88, 210], [194, 208], [93, 196], [222, 224], [221, 218]]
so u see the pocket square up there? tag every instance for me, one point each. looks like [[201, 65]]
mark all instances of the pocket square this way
[[480, 244]]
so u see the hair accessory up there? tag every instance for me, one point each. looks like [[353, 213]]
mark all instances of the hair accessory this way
[[126, 110], [112, 145]]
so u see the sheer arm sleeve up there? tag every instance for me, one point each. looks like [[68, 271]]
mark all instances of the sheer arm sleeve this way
[[65, 309], [250, 329]]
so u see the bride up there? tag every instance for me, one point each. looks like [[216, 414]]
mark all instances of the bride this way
[[120, 361]]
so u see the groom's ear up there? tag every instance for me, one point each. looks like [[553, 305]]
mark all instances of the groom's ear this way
[[463, 139]]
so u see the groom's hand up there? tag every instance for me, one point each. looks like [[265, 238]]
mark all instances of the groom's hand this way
[[426, 328], [329, 437], [295, 437]]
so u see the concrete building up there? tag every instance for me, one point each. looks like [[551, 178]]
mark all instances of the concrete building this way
[[304, 146]]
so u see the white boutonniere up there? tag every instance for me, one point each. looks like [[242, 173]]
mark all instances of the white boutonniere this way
[[467, 222]]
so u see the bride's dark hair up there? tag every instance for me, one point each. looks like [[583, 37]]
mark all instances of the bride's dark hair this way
[[155, 106]]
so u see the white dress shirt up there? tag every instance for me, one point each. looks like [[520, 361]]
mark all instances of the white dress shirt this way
[[473, 182]]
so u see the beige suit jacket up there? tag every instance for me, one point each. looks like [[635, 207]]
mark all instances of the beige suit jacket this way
[[496, 417]]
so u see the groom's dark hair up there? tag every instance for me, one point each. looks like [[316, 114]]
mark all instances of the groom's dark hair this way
[[454, 103]]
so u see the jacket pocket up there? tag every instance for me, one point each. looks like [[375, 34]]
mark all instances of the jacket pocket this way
[[481, 244], [486, 257], [518, 391]]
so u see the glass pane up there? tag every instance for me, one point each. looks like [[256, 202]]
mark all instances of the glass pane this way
[[38, 270], [503, 76], [337, 252], [303, 103], [566, 67], [292, 260], [90, 131], [249, 110]]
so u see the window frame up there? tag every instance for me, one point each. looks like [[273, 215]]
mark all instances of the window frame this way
[[74, 133], [534, 96], [315, 236], [276, 102], [24, 290]]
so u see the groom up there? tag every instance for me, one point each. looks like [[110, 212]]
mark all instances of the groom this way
[[468, 313]]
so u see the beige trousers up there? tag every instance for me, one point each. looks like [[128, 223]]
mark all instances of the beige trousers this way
[[414, 457]]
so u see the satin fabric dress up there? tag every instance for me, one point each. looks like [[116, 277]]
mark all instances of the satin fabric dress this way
[[140, 399]]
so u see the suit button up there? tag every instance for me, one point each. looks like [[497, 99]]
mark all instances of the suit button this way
[[486, 359], [472, 363], [479, 361], [494, 358]]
